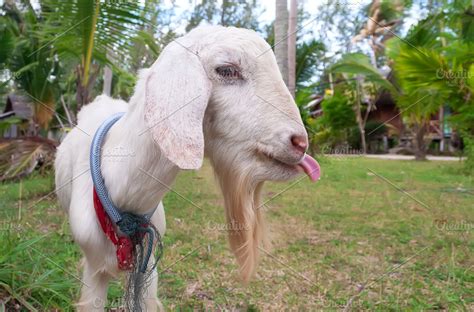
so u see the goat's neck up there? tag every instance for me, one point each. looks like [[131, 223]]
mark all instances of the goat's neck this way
[[136, 174]]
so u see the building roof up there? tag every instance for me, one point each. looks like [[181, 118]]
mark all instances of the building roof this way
[[20, 105]]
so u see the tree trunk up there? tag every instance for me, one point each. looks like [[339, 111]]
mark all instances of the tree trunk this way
[[292, 47], [441, 128], [281, 38], [362, 138], [360, 120], [84, 93], [225, 3], [420, 147], [331, 83], [108, 74], [107, 89]]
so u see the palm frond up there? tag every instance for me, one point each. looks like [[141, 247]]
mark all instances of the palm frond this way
[[7, 39], [113, 25], [32, 66], [359, 64], [421, 68], [308, 55]]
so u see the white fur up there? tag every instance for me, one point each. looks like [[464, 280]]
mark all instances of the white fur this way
[[246, 138]]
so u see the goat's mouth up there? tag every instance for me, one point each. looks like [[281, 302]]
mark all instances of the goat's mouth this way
[[306, 164]]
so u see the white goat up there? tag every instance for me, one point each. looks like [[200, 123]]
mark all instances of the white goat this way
[[216, 92]]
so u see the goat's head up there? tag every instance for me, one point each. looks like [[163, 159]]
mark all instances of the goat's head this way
[[218, 91]]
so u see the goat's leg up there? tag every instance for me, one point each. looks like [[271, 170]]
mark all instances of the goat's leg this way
[[151, 301], [150, 298], [95, 282]]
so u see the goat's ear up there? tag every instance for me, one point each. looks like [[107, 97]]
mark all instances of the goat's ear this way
[[177, 92]]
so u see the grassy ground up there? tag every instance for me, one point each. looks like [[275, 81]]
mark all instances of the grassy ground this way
[[391, 235]]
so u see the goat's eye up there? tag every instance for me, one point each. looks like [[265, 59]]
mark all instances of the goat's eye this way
[[229, 72]]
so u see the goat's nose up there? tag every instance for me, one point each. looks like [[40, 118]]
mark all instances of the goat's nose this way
[[299, 142]]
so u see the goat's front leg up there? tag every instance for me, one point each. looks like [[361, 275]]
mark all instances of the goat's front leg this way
[[151, 301], [95, 282]]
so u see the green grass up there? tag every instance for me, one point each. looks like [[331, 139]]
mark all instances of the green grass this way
[[395, 236]]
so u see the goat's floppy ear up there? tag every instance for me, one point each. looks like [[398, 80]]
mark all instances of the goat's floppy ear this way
[[177, 92]]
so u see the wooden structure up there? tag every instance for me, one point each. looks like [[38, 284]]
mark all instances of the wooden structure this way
[[439, 134], [22, 108], [396, 135]]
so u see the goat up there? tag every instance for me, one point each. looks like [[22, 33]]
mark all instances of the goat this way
[[215, 92]]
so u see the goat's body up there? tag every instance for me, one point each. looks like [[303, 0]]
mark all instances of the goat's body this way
[[76, 146], [215, 91], [74, 191]]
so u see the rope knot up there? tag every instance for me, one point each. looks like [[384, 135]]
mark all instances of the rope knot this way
[[132, 224], [136, 227]]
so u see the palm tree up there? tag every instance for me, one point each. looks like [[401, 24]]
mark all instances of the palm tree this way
[[308, 57], [31, 66], [292, 46], [433, 66], [281, 37], [65, 39], [93, 34]]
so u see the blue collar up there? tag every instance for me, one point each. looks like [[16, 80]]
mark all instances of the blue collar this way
[[134, 226], [97, 179]]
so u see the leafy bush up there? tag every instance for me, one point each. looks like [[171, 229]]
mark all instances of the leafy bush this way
[[469, 153], [337, 113], [333, 127], [463, 121]]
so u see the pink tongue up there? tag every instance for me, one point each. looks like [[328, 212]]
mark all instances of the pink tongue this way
[[310, 167]]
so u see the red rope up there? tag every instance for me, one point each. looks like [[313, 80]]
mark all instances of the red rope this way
[[123, 244]]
